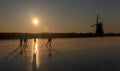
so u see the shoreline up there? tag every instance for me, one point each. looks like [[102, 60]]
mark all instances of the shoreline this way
[[55, 35]]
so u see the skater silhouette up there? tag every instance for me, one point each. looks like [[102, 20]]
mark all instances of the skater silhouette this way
[[49, 42]]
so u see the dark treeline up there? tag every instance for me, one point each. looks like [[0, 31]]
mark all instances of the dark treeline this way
[[54, 35]]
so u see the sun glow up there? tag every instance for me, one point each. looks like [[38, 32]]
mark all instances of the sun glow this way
[[35, 21]]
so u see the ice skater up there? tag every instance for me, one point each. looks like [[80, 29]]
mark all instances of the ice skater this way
[[49, 42], [25, 41], [21, 42]]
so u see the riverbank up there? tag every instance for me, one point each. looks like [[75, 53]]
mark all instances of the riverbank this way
[[54, 35]]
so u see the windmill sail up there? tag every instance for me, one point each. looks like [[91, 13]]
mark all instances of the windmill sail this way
[[99, 27], [97, 19]]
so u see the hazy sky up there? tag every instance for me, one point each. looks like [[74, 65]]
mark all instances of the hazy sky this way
[[58, 15]]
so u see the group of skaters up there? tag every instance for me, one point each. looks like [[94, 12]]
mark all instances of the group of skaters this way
[[24, 41]]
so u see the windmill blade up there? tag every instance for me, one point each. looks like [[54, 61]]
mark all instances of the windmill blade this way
[[97, 20], [93, 25]]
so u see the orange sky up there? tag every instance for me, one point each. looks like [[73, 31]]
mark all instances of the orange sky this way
[[58, 15]]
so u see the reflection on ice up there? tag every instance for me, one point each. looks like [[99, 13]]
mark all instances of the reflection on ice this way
[[67, 55], [35, 48], [36, 56], [34, 63]]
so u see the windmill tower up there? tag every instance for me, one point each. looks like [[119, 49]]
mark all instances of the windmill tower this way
[[99, 27]]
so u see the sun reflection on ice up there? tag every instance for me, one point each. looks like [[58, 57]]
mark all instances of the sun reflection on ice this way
[[35, 48], [36, 56]]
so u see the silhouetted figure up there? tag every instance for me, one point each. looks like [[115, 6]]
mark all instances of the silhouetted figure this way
[[49, 41], [21, 42], [35, 40], [99, 27], [48, 45], [25, 41]]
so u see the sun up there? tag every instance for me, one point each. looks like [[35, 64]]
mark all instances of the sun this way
[[35, 21]]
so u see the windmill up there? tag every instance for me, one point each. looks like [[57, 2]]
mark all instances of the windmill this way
[[99, 27]]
